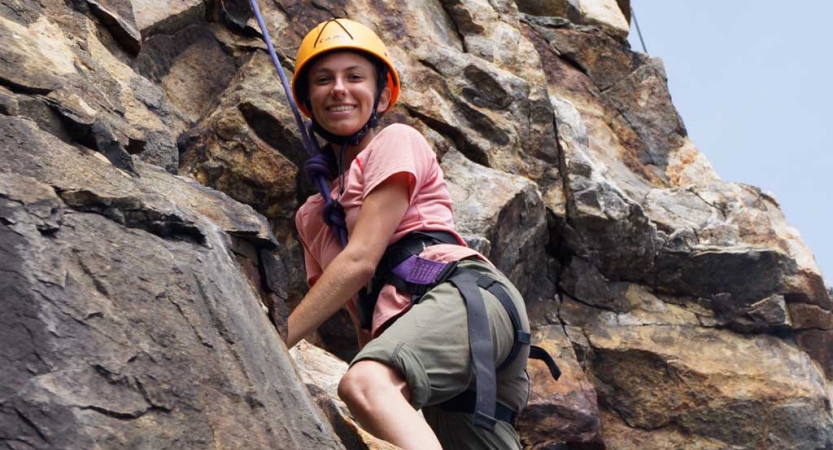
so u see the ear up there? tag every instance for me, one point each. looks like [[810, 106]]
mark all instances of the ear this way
[[384, 101]]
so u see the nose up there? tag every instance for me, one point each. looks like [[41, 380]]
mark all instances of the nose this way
[[339, 87]]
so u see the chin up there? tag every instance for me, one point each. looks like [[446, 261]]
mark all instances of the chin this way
[[344, 130]]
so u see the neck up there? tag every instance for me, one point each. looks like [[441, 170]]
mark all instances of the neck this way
[[353, 150]]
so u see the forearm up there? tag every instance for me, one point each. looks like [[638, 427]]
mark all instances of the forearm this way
[[343, 278], [380, 214]]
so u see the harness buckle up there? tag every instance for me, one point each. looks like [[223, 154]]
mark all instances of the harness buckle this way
[[417, 290], [447, 271]]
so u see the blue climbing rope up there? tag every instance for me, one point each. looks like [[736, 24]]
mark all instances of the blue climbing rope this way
[[317, 167]]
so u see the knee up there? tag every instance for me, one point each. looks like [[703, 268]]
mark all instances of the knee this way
[[353, 387], [365, 382], [356, 386]]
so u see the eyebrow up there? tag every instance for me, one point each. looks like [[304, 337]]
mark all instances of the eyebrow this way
[[325, 69]]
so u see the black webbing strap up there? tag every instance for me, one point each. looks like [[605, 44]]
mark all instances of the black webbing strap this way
[[539, 353], [521, 337], [480, 344], [411, 244], [464, 403], [481, 400], [473, 401]]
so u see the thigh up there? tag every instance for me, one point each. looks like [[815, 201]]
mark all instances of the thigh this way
[[429, 345]]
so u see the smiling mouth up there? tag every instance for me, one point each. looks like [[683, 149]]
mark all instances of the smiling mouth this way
[[341, 108]]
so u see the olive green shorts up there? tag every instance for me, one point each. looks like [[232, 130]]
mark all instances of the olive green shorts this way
[[429, 346]]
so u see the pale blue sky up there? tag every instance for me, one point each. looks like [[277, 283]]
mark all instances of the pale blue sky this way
[[752, 82]]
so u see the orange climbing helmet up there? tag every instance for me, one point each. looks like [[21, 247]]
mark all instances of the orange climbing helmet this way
[[340, 34]]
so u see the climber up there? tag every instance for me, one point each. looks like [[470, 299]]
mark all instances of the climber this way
[[440, 328]]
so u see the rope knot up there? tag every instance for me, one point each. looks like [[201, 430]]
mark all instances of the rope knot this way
[[334, 215], [319, 165]]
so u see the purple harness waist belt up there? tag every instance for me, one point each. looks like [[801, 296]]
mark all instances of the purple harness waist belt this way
[[420, 270]]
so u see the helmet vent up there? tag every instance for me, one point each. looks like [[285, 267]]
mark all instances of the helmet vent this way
[[321, 31]]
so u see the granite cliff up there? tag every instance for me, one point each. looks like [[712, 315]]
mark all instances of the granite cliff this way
[[149, 172]]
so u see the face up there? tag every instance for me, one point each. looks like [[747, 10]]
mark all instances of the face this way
[[342, 88]]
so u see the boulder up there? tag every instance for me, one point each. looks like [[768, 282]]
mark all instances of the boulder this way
[[241, 147], [118, 16], [128, 311], [681, 381], [562, 411], [85, 93], [193, 69], [507, 212], [165, 16], [321, 372], [609, 15], [34, 58]]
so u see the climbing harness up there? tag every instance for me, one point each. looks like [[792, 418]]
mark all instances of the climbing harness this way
[[402, 267], [404, 270]]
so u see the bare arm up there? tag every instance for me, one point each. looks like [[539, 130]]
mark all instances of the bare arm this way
[[381, 212]]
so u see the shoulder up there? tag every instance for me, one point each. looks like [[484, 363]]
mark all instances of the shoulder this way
[[400, 133], [400, 129], [401, 139]]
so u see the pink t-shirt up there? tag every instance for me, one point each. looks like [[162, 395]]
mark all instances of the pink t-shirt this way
[[397, 148]]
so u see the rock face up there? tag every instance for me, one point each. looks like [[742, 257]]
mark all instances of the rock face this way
[[149, 176], [129, 320]]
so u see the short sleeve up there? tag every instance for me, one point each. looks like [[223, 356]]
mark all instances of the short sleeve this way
[[398, 148]]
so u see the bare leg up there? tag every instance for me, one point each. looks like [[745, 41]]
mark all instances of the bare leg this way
[[378, 397]]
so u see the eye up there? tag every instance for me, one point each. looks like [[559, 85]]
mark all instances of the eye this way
[[356, 76], [321, 79]]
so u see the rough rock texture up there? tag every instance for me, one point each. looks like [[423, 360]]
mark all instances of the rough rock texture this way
[[233, 149], [564, 410], [118, 17], [130, 320], [165, 16], [141, 307], [84, 93], [509, 223], [611, 16]]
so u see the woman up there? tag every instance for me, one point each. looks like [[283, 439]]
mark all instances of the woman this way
[[391, 189]]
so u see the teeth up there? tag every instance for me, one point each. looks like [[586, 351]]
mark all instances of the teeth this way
[[341, 108]]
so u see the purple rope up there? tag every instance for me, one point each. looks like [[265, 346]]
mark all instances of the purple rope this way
[[317, 176], [318, 166]]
